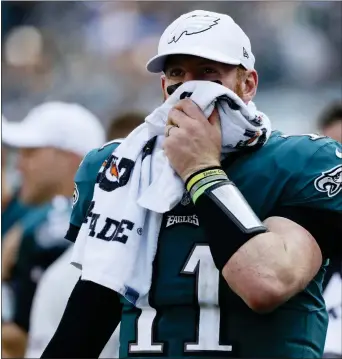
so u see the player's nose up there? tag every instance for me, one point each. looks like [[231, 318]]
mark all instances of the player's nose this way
[[189, 76]]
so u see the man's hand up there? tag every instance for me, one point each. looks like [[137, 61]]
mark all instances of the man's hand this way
[[195, 143]]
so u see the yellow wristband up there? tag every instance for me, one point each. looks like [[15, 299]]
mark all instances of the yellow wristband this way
[[204, 174]]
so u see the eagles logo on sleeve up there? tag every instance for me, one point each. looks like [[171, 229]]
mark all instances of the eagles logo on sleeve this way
[[330, 181], [75, 195]]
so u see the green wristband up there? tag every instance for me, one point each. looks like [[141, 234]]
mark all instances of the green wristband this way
[[201, 190]]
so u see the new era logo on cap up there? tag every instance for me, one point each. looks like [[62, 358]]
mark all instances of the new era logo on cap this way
[[245, 53], [194, 24]]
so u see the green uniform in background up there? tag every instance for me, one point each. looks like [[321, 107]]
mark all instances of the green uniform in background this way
[[192, 312], [12, 213], [41, 244]]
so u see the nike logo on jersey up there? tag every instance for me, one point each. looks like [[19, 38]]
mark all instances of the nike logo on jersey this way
[[338, 153], [330, 181], [186, 199], [172, 220]]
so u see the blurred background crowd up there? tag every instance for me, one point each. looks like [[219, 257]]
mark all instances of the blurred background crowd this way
[[94, 53]]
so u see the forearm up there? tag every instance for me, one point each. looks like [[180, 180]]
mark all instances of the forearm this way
[[270, 268], [90, 318], [263, 263]]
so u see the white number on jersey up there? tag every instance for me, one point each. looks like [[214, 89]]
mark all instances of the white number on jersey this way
[[201, 264], [145, 333]]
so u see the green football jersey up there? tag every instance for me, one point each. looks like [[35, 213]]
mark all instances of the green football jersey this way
[[42, 242], [13, 212], [191, 311]]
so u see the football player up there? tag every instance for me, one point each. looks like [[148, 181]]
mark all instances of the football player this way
[[219, 289]]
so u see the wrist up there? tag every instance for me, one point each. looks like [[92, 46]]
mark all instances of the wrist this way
[[202, 179], [189, 173], [223, 210]]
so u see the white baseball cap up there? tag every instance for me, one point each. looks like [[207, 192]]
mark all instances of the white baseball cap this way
[[206, 34], [67, 126], [4, 120]]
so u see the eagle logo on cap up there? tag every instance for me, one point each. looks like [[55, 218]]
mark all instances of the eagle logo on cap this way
[[194, 24]]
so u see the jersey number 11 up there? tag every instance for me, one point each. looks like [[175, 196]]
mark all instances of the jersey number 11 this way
[[199, 262]]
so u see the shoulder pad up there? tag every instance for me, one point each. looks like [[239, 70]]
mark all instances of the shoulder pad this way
[[297, 149]]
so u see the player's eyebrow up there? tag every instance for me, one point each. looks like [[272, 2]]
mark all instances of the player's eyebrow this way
[[180, 64], [207, 62]]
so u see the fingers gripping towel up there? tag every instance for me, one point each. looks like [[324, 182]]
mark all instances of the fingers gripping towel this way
[[136, 185]]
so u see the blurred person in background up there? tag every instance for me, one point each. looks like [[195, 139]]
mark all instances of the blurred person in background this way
[[59, 279], [208, 295], [51, 141], [120, 126], [39, 54], [330, 124], [333, 302], [330, 121], [12, 209]]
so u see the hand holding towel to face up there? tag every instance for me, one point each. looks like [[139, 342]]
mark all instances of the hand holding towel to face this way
[[137, 185]]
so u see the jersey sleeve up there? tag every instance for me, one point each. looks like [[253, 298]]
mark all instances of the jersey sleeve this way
[[84, 183], [319, 183], [83, 192]]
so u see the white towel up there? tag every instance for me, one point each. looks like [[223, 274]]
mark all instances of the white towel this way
[[137, 187]]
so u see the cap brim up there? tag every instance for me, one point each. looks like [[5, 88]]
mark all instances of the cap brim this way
[[21, 136], [156, 64]]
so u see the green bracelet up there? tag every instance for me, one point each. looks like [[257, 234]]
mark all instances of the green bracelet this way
[[201, 190]]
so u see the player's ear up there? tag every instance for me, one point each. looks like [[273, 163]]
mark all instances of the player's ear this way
[[163, 86], [249, 85]]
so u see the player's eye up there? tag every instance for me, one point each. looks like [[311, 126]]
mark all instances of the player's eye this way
[[175, 72], [209, 70]]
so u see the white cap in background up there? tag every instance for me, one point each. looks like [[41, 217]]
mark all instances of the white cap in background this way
[[4, 120], [67, 126], [205, 34]]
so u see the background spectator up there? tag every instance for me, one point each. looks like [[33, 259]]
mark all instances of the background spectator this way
[[330, 121], [51, 146]]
